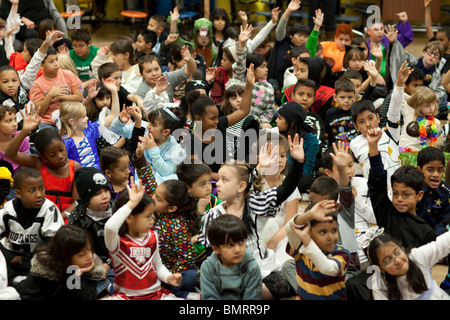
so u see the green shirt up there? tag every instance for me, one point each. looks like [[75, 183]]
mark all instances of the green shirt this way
[[83, 65]]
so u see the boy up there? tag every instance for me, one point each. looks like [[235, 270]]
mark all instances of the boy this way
[[434, 206], [93, 210], [414, 81], [321, 263], [112, 71], [431, 63], [157, 24], [83, 52], [27, 221], [338, 120], [335, 50], [299, 66], [145, 42], [54, 87], [365, 117], [230, 272]]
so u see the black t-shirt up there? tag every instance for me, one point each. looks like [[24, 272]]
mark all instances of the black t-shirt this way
[[32, 9]]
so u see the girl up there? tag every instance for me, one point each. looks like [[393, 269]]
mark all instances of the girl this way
[[56, 169], [224, 72], [115, 163], [205, 113], [274, 233], [165, 152], [79, 134], [405, 274], [133, 247], [291, 121], [421, 128], [231, 103], [221, 21], [241, 194], [53, 265], [123, 55], [177, 221]]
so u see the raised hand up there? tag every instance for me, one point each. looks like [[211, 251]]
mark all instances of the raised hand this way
[[135, 192], [246, 33], [186, 54], [318, 19], [103, 50], [373, 136], [426, 3], [294, 5], [171, 38], [340, 154], [376, 51], [403, 74], [296, 148], [125, 114], [92, 90], [251, 75], [321, 209], [110, 85], [390, 33], [31, 118], [275, 15], [210, 73], [402, 16], [52, 36], [175, 15], [161, 85], [370, 69], [243, 16]]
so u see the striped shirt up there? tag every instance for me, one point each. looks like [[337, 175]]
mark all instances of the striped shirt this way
[[86, 154]]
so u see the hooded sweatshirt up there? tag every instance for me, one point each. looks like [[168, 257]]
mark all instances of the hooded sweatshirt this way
[[239, 282]]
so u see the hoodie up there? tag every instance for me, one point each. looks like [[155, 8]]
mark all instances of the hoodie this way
[[239, 282]]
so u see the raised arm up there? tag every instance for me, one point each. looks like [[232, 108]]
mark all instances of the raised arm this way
[[427, 20], [246, 102]]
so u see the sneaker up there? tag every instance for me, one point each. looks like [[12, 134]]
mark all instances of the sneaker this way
[[305, 197], [194, 296]]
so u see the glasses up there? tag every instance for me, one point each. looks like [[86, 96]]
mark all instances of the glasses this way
[[433, 54], [390, 260], [403, 195]]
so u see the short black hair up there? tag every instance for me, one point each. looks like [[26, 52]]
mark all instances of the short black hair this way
[[224, 228], [429, 154], [190, 172], [106, 70], [352, 74], [299, 27], [81, 34], [410, 176], [305, 83], [344, 85], [256, 59], [361, 106], [51, 51], [325, 186], [33, 45], [149, 36], [416, 74], [24, 173], [295, 52]]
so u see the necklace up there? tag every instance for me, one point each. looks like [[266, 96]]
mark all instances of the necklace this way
[[423, 132]]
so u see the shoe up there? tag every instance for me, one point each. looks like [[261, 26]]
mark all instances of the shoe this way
[[304, 197], [110, 289], [194, 296]]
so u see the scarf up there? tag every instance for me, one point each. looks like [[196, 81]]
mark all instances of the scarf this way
[[423, 134]]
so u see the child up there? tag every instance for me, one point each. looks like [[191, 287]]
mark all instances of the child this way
[[52, 88], [431, 63], [434, 205], [299, 69], [237, 147], [321, 263], [230, 272], [164, 152], [83, 52], [123, 55], [339, 124], [291, 121], [262, 93], [197, 178], [205, 113], [365, 117], [92, 212], [128, 229], [405, 274], [221, 21], [20, 60], [158, 88], [157, 24], [335, 50], [79, 134], [56, 169], [113, 72], [224, 72], [68, 254], [115, 163], [176, 222], [239, 188], [145, 41], [27, 222]]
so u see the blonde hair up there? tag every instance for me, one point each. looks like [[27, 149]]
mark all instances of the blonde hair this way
[[67, 111], [243, 172], [423, 95], [66, 63]]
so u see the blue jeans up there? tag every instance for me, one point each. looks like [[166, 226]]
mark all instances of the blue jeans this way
[[187, 284], [103, 284]]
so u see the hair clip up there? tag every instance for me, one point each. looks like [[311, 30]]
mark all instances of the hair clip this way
[[171, 113]]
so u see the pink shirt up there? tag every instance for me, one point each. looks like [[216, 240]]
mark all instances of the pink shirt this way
[[43, 85], [24, 148]]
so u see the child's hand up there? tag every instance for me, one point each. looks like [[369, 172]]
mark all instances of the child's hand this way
[[63, 49], [136, 112], [186, 54], [202, 203], [268, 157], [210, 73], [391, 33], [53, 36], [375, 50], [370, 69], [58, 91], [296, 148], [125, 114], [246, 33], [275, 15], [303, 234], [403, 74], [151, 143], [92, 90], [135, 193], [243, 16], [81, 271], [171, 38], [318, 19], [103, 50], [251, 75], [145, 142], [10, 31], [321, 209], [161, 85], [340, 154], [373, 136], [175, 279], [402, 16], [175, 15], [427, 3], [110, 85], [294, 5]]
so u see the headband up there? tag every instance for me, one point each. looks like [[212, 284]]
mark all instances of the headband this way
[[171, 113]]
